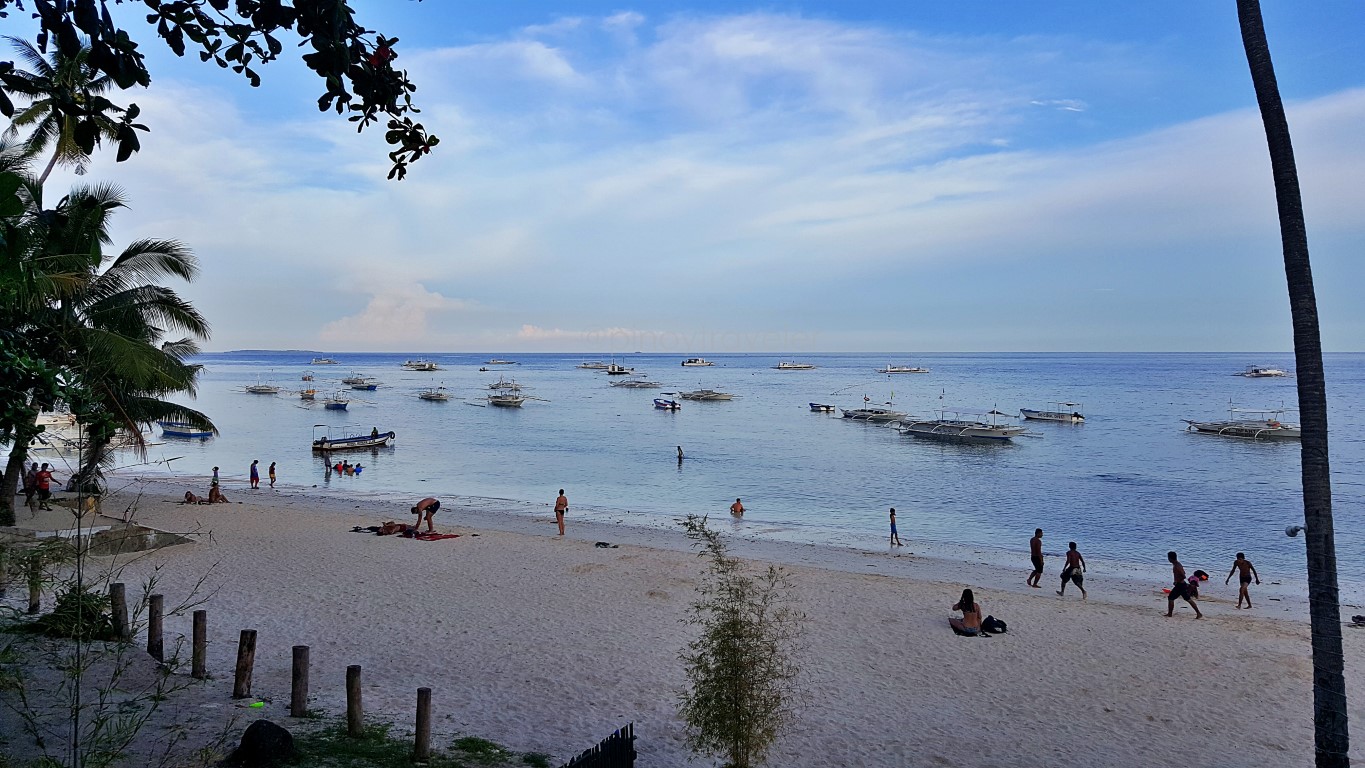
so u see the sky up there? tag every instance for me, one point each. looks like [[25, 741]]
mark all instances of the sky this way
[[700, 177]]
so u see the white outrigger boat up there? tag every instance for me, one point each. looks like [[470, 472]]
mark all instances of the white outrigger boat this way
[[889, 369], [323, 361], [635, 384], [706, 394], [420, 365], [962, 426], [507, 385], [696, 362], [1258, 372], [326, 443], [619, 370], [592, 365], [262, 389], [506, 399], [1066, 413], [873, 414], [1249, 423], [787, 365], [354, 378], [434, 394], [496, 361]]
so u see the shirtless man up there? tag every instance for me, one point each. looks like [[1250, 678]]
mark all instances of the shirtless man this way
[[1073, 571], [737, 509], [1035, 549], [1180, 588], [1248, 571], [427, 507]]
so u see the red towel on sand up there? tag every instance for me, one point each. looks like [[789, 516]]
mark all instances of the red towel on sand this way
[[433, 536]]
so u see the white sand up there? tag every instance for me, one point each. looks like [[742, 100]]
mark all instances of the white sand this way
[[548, 645]]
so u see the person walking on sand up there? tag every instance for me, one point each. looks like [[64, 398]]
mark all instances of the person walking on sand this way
[[895, 537], [1180, 588], [31, 487], [426, 507], [1248, 571], [1035, 549], [561, 506], [43, 482], [255, 474], [737, 509], [1073, 571], [272, 474]]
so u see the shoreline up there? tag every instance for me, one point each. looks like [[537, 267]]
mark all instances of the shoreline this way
[[547, 645]]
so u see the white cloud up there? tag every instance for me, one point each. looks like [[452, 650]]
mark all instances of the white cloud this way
[[393, 319]]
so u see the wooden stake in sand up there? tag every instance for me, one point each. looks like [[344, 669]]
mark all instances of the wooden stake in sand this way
[[354, 718], [298, 690], [156, 606], [118, 604], [35, 582], [198, 665], [246, 658], [421, 751]]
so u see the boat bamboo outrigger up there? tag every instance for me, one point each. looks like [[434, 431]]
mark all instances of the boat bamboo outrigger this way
[[962, 426], [1260, 372], [696, 362], [1249, 423], [325, 443], [787, 365], [889, 369], [435, 394], [706, 394]]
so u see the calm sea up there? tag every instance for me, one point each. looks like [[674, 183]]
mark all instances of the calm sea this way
[[1129, 484]]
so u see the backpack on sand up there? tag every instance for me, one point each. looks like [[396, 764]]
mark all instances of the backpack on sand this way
[[993, 625]]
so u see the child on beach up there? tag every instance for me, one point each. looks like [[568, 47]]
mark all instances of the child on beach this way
[[272, 474], [1248, 571], [895, 537]]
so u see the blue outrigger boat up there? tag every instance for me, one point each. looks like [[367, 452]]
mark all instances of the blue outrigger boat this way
[[666, 405], [326, 442], [182, 429]]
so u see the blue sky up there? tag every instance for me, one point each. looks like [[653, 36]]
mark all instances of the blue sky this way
[[784, 177]]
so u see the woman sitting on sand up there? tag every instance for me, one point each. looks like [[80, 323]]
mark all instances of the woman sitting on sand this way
[[216, 496], [970, 623]]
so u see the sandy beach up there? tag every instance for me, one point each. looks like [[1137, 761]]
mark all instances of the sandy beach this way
[[546, 644]]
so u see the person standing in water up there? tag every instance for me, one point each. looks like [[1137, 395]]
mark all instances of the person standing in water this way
[[255, 474], [737, 509], [1248, 571], [272, 474], [895, 537]]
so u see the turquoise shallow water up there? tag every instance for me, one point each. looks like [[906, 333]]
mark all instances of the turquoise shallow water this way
[[1129, 484]]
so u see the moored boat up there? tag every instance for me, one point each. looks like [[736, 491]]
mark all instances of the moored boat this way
[[354, 378], [307, 394], [592, 365], [666, 405], [706, 394], [696, 362], [435, 394], [962, 426], [307, 376], [1066, 413], [336, 403], [788, 365], [618, 370], [506, 400], [1259, 372], [420, 365], [323, 361], [889, 369], [509, 385], [874, 414], [821, 408], [366, 385], [262, 389], [635, 384], [375, 439], [183, 429], [1249, 423], [496, 361]]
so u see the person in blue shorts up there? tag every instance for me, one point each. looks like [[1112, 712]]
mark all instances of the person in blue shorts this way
[[895, 537]]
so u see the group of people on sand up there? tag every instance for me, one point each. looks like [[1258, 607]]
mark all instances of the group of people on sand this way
[[38, 484], [1073, 572]]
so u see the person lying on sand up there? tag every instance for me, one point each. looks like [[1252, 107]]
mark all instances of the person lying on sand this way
[[190, 498], [390, 528], [970, 623]]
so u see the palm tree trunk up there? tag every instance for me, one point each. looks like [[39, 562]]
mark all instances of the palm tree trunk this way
[[50, 164], [14, 470], [1329, 686]]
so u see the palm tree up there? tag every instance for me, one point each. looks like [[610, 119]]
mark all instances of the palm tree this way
[[1329, 686], [67, 112], [103, 322]]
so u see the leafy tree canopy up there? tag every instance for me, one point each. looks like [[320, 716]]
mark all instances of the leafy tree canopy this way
[[355, 64]]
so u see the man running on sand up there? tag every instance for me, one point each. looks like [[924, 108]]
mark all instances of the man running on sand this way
[[561, 506], [427, 507], [1180, 588], [1073, 571], [1035, 549], [1248, 571]]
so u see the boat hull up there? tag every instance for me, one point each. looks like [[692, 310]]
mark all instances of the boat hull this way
[[1058, 416], [667, 405], [353, 443], [956, 431], [335, 406], [821, 408], [180, 429]]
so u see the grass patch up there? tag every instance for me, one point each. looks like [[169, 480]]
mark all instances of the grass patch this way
[[377, 747]]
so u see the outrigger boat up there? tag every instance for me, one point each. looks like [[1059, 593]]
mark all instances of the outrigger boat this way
[[889, 369], [1256, 372], [307, 394], [821, 408], [354, 378], [375, 439], [793, 366], [1067, 413], [1265, 425], [307, 376], [420, 365], [183, 429], [496, 361], [666, 405], [323, 361], [336, 403], [506, 400], [706, 394], [635, 384], [367, 385], [618, 370], [262, 389], [438, 394], [509, 385], [875, 414], [962, 426], [592, 365], [696, 362]]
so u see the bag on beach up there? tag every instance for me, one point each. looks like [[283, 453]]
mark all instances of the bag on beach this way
[[993, 625]]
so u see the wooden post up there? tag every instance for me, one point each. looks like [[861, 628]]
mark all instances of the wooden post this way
[[421, 751], [35, 581], [199, 662], [156, 606], [354, 717], [118, 603], [298, 690], [246, 658], [4, 569]]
